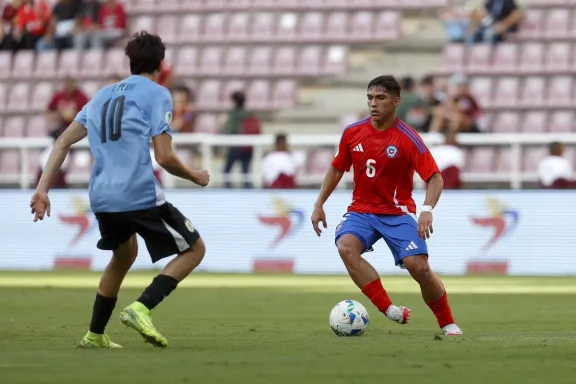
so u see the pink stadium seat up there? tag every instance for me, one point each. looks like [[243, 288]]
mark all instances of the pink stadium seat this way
[[144, 6], [214, 27], [167, 27], [312, 27], [560, 91], [557, 24], [574, 60], [142, 23], [37, 126], [506, 122], [23, 65], [533, 92], [558, 58], [68, 64], [190, 29], [532, 25], [361, 4], [239, 27], [284, 61], [362, 26], [507, 90], [319, 160], [258, 94], [337, 26], [116, 63], [5, 64], [260, 61], [534, 122], [209, 94], [311, 4], [531, 58], [214, 5], [263, 4], [46, 64], [309, 61], [506, 58], [91, 63], [41, 95], [503, 160], [33, 162], [18, 98], [186, 61], [206, 123], [263, 27], [287, 27], [481, 88], [191, 5], [454, 57], [170, 6], [387, 26], [90, 87], [532, 157], [480, 58], [336, 60], [235, 62], [210, 61], [10, 162], [284, 94], [562, 121], [14, 127], [229, 88], [242, 5], [3, 96]]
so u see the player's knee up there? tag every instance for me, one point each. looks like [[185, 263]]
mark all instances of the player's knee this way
[[419, 268], [196, 252], [348, 253]]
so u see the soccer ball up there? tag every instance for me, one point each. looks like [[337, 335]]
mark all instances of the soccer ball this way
[[349, 318]]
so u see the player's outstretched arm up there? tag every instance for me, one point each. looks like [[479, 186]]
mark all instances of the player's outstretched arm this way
[[40, 203], [169, 160], [331, 180]]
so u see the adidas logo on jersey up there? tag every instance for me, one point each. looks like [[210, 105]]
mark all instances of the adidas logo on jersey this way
[[358, 148], [411, 246]]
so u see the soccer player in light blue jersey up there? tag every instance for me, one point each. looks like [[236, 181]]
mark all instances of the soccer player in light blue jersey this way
[[121, 121]]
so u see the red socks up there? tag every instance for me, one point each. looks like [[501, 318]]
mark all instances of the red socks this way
[[377, 295], [442, 311]]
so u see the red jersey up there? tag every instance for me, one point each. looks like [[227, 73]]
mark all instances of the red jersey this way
[[384, 163], [112, 17]]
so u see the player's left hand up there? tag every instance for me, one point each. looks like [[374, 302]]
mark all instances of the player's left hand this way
[[425, 225], [40, 204]]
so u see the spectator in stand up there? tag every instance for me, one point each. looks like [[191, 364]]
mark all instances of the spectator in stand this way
[[60, 179], [492, 21], [183, 119], [111, 24], [450, 160], [61, 27], [86, 23], [240, 122], [65, 105], [8, 32], [459, 113], [278, 166], [410, 99], [456, 23], [32, 23], [431, 99], [555, 171]]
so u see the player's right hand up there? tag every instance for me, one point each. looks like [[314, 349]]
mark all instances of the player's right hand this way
[[318, 216], [202, 178], [40, 204]]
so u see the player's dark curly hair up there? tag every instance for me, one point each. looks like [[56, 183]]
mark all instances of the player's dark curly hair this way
[[389, 83], [146, 52]]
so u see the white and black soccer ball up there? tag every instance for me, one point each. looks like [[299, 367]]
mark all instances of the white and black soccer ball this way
[[349, 318]]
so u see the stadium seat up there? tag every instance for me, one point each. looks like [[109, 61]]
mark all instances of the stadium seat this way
[[287, 27], [263, 26], [480, 58], [209, 94], [557, 59], [3, 96], [503, 160], [507, 91], [68, 63], [14, 127], [190, 29], [191, 5], [214, 27], [480, 160], [41, 95], [263, 4], [534, 122], [142, 23], [284, 61], [533, 92], [46, 64], [238, 27], [210, 61], [531, 59], [319, 160], [9, 162], [214, 5], [337, 26], [91, 63], [229, 88], [532, 24], [283, 94], [506, 58], [560, 91], [90, 88], [206, 123], [361, 26], [141, 6], [37, 126], [242, 5], [235, 61], [167, 27], [310, 61], [506, 122], [481, 88], [116, 63], [5, 64], [23, 65], [557, 24], [532, 157], [387, 26], [260, 61], [454, 58], [171, 5], [258, 95], [336, 60], [186, 61], [562, 121], [312, 27], [18, 98]]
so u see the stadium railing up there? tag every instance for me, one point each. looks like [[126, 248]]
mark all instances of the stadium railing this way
[[207, 143]]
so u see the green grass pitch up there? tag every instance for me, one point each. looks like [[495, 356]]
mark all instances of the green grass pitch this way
[[274, 329]]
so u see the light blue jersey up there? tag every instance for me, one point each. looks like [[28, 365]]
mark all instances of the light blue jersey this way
[[121, 119]]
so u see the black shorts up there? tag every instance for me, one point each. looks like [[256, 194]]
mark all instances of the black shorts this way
[[165, 230]]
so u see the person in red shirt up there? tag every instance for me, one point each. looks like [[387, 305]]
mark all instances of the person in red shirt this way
[[384, 152], [112, 23], [166, 75], [65, 105], [8, 34], [32, 22]]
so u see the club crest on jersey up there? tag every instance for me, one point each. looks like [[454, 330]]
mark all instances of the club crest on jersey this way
[[391, 151]]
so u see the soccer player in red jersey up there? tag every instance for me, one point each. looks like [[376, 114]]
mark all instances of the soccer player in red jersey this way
[[384, 152]]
